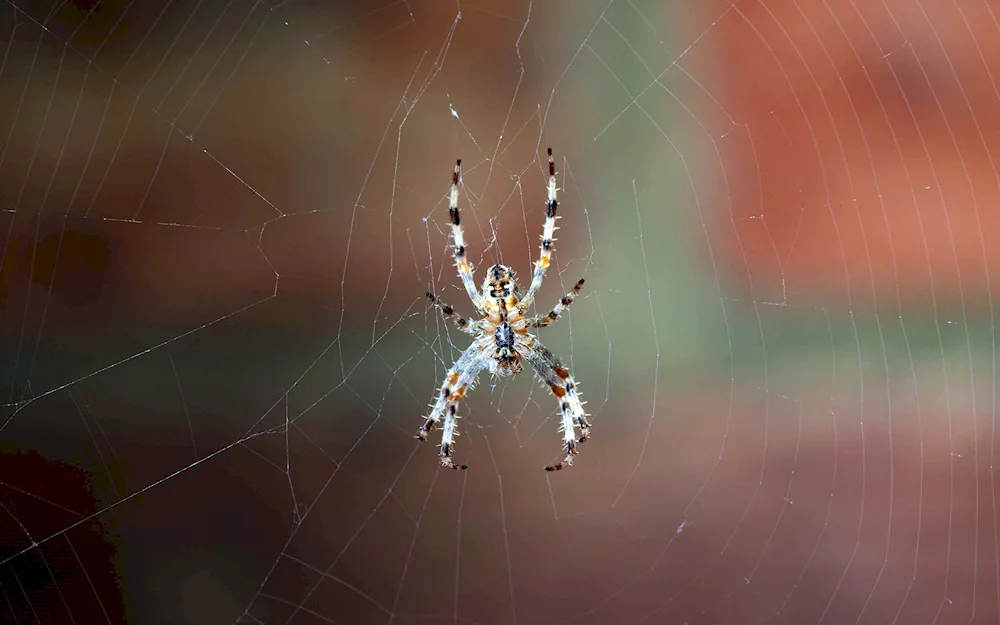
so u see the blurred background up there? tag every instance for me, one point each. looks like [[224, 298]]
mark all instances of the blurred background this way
[[219, 220]]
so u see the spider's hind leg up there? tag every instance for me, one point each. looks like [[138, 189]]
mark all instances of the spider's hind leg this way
[[458, 381], [551, 371]]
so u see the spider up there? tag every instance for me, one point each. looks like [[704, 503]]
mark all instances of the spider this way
[[502, 340]]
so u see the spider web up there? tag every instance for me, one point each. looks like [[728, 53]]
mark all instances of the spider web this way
[[220, 219]]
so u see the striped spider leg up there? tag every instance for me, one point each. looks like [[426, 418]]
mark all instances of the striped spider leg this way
[[552, 372], [541, 322], [460, 378], [463, 264], [449, 313], [548, 238]]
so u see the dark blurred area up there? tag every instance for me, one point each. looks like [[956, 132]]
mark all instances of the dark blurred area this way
[[219, 220]]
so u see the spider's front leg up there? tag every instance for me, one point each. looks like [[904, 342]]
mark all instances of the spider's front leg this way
[[548, 237], [551, 371], [459, 379], [461, 262]]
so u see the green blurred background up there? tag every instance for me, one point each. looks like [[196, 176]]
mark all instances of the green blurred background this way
[[221, 218]]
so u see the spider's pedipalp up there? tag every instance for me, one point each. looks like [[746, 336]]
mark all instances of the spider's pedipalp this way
[[551, 371], [541, 322], [461, 262]]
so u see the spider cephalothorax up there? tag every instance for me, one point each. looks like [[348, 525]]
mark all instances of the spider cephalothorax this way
[[501, 295], [506, 360], [502, 340]]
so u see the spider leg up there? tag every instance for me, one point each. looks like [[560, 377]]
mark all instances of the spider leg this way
[[449, 313], [541, 322], [551, 371], [459, 379], [548, 236], [463, 264]]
